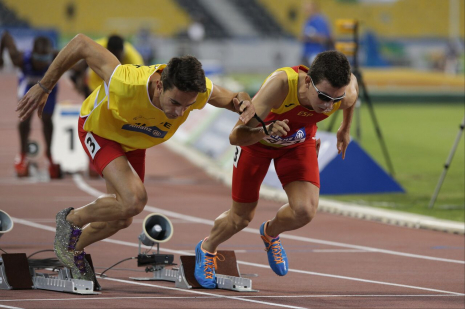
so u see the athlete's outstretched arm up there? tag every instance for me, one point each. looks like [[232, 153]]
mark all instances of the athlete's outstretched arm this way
[[271, 95], [348, 107], [15, 55], [224, 98], [99, 59]]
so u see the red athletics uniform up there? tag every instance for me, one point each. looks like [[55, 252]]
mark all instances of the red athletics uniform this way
[[294, 155]]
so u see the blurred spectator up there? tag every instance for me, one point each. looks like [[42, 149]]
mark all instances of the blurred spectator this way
[[87, 80], [452, 57], [316, 35], [32, 64], [196, 34], [146, 43], [196, 31]]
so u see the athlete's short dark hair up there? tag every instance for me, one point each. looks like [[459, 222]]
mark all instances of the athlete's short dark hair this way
[[184, 73], [115, 44], [42, 42], [332, 66]]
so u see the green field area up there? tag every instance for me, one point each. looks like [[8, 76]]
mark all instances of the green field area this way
[[419, 138]]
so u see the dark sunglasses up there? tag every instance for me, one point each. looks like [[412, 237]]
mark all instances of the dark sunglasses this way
[[326, 98]]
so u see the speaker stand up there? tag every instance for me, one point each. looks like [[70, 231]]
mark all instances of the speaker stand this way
[[157, 263]]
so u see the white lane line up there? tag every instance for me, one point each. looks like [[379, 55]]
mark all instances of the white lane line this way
[[180, 252], [210, 297], [203, 293], [5, 306], [353, 279], [86, 188], [310, 250], [338, 250]]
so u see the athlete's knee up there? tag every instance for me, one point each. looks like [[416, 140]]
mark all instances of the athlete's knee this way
[[134, 202], [305, 211], [240, 222], [241, 219]]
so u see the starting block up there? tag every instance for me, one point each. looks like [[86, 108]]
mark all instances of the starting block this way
[[227, 274], [16, 272]]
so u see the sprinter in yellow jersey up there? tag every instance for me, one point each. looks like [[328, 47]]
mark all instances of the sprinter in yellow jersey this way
[[136, 107], [291, 100]]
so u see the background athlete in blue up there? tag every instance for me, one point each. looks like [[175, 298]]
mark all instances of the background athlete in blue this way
[[32, 64]]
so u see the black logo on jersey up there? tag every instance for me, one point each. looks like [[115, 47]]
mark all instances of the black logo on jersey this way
[[166, 125], [288, 105]]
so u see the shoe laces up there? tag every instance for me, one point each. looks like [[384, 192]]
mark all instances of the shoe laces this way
[[210, 266], [79, 261], [275, 246], [75, 233]]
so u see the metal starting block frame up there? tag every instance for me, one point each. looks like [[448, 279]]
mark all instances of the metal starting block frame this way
[[63, 283], [16, 273], [227, 274], [160, 273]]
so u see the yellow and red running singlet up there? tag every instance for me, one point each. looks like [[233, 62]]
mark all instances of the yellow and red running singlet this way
[[302, 121], [122, 111]]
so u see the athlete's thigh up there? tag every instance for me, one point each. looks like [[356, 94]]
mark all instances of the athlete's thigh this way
[[298, 164], [121, 178], [137, 160], [248, 173], [111, 162], [100, 151]]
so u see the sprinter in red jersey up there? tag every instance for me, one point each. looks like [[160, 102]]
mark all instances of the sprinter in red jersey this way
[[291, 101]]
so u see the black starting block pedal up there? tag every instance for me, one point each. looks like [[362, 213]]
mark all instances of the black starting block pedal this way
[[227, 274], [14, 272], [17, 273]]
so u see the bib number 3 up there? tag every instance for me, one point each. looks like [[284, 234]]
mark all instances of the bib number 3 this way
[[237, 155], [92, 146]]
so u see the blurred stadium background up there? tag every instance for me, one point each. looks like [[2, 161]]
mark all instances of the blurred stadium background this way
[[411, 55]]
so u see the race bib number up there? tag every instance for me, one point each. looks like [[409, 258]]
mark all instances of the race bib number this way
[[296, 138], [92, 146], [237, 155]]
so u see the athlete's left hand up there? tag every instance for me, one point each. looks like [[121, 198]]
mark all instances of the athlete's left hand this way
[[343, 140], [34, 99], [245, 109]]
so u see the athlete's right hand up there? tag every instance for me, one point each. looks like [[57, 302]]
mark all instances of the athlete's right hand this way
[[36, 97], [278, 128]]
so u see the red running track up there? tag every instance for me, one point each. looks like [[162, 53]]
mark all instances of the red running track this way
[[335, 262]]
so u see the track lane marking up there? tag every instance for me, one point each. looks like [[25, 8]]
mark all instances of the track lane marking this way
[[180, 252], [88, 189], [212, 297], [203, 293]]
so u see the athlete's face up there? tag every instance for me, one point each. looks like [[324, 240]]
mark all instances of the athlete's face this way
[[174, 102], [323, 96], [42, 56]]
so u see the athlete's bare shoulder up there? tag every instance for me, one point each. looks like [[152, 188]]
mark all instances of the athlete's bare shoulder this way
[[273, 91], [279, 78], [351, 93]]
